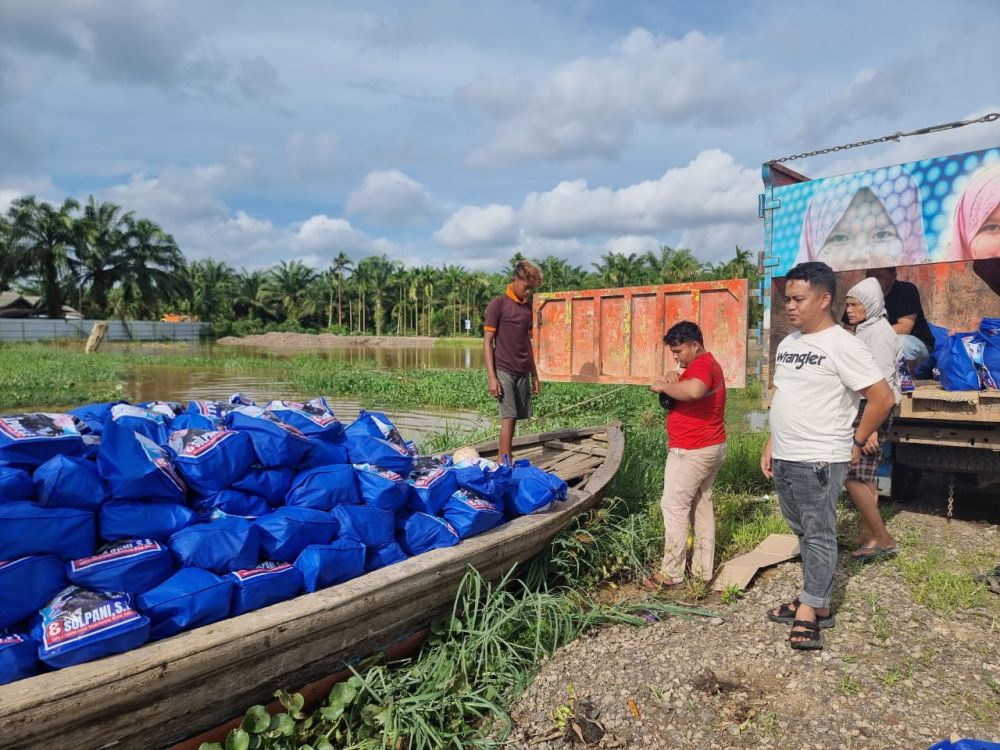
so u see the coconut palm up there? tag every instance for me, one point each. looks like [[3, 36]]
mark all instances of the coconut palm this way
[[99, 245], [152, 270], [41, 238]]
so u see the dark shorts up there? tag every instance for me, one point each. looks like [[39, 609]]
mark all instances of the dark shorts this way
[[866, 469], [515, 403]]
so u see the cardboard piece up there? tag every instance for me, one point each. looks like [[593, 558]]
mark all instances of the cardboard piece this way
[[740, 570]]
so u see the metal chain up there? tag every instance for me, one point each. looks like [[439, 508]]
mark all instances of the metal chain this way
[[951, 496], [991, 117]]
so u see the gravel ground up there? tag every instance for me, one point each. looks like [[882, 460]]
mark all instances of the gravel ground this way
[[893, 673]]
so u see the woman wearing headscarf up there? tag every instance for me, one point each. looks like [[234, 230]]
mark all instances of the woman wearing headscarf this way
[[864, 220], [975, 229], [866, 311]]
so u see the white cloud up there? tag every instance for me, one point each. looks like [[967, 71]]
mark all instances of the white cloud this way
[[589, 107], [392, 198], [489, 226], [633, 243], [313, 154], [13, 188]]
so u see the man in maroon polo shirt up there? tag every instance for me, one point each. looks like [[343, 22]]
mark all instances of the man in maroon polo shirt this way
[[510, 361]]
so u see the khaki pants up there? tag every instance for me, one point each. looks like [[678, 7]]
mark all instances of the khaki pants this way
[[687, 501]]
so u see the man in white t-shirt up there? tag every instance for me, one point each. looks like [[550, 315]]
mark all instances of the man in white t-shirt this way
[[820, 373]]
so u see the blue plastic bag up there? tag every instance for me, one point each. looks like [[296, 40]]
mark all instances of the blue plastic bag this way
[[18, 657], [131, 565], [275, 442], [211, 460], [957, 370], [324, 565], [270, 484], [95, 416], [965, 745], [324, 487], [220, 545], [381, 487], [268, 583], [372, 438], [233, 503], [317, 422], [169, 409], [134, 519], [380, 557], [29, 440], [469, 514], [484, 477], [15, 484], [373, 527], [27, 584], [128, 418], [31, 529], [989, 329], [431, 482], [70, 482], [286, 531], [79, 625], [190, 598], [423, 532], [532, 490], [137, 468]]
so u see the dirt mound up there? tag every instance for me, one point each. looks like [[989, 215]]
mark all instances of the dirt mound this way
[[319, 341]]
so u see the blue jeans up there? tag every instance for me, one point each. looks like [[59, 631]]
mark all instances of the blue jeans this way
[[807, 494], [913, 349]]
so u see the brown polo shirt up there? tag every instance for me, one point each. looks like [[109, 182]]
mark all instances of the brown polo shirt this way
[[510, 319]]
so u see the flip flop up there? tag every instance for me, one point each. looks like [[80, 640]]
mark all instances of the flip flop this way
[[656, 582], [878, 553], [786, 615]]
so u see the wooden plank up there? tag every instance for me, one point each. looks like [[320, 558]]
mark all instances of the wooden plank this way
[[177, 687], [591, 450]]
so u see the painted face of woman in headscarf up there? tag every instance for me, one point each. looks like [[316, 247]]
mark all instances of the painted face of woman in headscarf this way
[[864, 236], [975, 232]]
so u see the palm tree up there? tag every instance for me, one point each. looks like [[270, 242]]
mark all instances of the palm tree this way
[[675, 266], [152, 270], [742, 266], [341, 265], [559, 275], [251, 296], [618, 269], [9, 262], [288, 283], [41, 237], [99, 243], [213, 284], [378, 270]]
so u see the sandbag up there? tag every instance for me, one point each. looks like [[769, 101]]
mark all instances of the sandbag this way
[[31, 529], [233, 503], [131, 565], [532, 490], [373, 527], [26, 584], [486, 478], [422, 532], [137, 468], [286, 531], [95, 416], [29, 440], [324, 487], [70, 482], [211, 460], [381, 487], [271, 484], [268, 583], [15, 484], [79, 625], [469, 514], [431, 482], [323, 565], [18, 657], [220, 545], [151, 424], [190, 598], [134, 519], [380, 557], [275, 442]]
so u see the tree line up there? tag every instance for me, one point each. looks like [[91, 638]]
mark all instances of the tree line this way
[[107, 262]]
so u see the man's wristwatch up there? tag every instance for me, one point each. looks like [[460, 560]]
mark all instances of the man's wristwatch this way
[[859, 443]]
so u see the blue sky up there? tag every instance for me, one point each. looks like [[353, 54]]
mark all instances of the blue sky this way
[[448, 132]]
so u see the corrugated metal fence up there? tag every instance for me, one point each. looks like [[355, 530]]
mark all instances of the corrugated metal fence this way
[[42, 329]]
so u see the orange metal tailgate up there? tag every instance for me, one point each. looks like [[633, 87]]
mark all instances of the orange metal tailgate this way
[[616, 335]]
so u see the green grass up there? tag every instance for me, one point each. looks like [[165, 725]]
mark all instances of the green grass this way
[[945, 581]]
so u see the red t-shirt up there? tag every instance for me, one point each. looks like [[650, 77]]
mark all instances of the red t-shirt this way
[[700, 424]]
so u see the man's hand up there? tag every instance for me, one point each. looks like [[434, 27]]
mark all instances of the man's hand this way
[[657, 385], [766, 464], [671, 376], [496, 390], [855, 454], [536, 385], [871, 445]]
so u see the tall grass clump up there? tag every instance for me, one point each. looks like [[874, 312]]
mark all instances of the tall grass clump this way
[[33, 375]]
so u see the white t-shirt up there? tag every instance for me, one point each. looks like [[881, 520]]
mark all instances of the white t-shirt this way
[[816, 379]]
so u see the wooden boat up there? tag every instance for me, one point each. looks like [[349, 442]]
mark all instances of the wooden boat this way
[[174, 689]]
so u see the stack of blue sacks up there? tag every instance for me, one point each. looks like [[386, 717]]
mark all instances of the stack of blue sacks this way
[[122, 524]]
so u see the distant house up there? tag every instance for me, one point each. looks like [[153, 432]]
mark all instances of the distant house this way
[[14, 305]]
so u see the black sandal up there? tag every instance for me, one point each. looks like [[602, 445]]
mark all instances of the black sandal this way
[[786, 615], [810, 632]]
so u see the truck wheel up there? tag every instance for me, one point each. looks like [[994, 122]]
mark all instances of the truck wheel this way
[[905, 482], [947, 458]]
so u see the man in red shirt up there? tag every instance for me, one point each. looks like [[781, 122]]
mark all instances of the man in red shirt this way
[[510, 361], [696, 436]]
